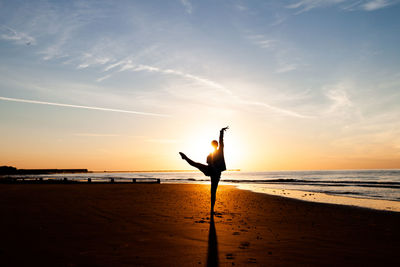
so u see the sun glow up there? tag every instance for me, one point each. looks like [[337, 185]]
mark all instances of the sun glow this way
[[199, 147], [234, 152]]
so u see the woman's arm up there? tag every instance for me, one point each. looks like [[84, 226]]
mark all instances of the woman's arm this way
[[221, 136]]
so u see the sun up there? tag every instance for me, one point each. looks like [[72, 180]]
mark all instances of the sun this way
[[199, 147]]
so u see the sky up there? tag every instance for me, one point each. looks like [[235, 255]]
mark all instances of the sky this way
[[126, 85]]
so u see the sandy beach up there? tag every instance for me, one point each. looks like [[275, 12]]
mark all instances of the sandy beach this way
[[170, 225]]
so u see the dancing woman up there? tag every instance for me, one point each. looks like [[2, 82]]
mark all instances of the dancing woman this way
[[215, 165]]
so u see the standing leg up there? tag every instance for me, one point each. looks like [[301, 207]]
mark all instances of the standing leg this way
[[214, 187]]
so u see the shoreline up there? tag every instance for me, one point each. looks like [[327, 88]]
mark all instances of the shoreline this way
[[323, 198], [304, 195], [313, 197]]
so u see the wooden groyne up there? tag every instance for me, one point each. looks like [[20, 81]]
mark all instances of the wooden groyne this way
[[65, 180], [9, 170]]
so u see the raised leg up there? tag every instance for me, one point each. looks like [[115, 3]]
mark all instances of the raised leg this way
[[202, 167]]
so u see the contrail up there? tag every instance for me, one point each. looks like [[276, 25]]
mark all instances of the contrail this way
[[79, 106]]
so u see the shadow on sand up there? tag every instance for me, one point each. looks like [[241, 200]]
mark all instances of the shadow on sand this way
[[212, 253]]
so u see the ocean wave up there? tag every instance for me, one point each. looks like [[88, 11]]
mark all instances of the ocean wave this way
[[393, 185], [319, 183]]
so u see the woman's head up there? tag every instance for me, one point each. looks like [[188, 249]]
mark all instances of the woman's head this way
[[214, 143]]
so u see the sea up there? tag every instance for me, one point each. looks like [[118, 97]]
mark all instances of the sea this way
[[376, 189]]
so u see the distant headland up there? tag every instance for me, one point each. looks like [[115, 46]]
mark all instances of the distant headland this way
[[9, 170]]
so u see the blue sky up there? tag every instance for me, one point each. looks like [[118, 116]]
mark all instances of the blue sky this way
[[291, 78]]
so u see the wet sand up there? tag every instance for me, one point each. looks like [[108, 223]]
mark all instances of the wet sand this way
[[169, 225]]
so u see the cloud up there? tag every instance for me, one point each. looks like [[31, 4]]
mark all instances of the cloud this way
[[231, 101], [188, 6], [126, 65], [376, 4], [241, 7], [81, 107], [339, 98], [9, 34], [199, 79], [262, 41], [276, 109], [95, 135], [109, 67], [64, 29], [279, 19], [105, 77], [306, 5], [89, 59], [286, 67], [163, 141], [281, 52], [366, 5], [55, 50]]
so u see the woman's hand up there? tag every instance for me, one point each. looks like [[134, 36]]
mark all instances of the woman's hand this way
[[224, 129]]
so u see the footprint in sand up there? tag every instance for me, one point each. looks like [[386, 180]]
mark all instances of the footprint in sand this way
[[252, 260], [230, 256], [244, 245]]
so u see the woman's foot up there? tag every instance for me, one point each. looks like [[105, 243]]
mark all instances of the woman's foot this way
[[183, 156]]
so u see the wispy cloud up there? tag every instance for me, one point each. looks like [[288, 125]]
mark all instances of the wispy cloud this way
[[279, 19], [95, 135], [188, 6], [60, 28], [89, 59], [376, 4], [105, 77], [232, 101], [367, 5], [306, 5], [286, 67], [81, 107], [277, 109], [241, 7], [128, 65], [285, 63], [9, 34], [69, 27], [114, 65], [55, 49], [262, 41], [339, 98], [164, 141], [108, 135]]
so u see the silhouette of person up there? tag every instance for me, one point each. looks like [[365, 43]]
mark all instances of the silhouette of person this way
[[215, 165]]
